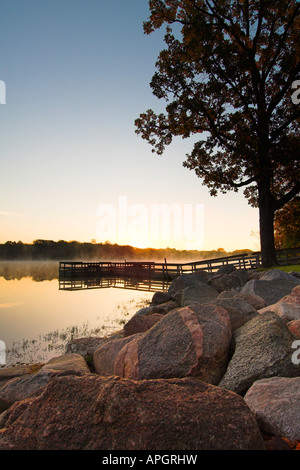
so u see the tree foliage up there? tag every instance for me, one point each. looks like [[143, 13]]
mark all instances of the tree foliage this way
[[227, 75], [287, 225], [63, 250]]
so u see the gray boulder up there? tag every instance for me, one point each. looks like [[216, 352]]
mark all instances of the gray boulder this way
[[254, 300], [162, 308], [87, 346], [226, 269], [270, 290], [233, 280], [263, 348], [160, 297], [192, 288], [275, 403], [201, 293], [188, 279], [276, 274], [239, 310]]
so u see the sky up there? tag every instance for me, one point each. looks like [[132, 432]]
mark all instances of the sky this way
[[76, 75]]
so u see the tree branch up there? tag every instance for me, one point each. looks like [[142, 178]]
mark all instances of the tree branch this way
[[287, 197], [243, 183]]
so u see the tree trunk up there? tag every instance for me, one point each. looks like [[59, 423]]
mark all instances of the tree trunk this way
[[266, 224]]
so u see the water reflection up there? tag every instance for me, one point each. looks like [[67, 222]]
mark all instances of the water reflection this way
[[40, 313], [146, 285]]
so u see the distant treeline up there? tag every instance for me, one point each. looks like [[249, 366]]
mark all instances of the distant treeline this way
[[84, 251]]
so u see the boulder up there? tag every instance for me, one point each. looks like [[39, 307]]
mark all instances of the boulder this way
[[201, 293], [178, 298], [288, 308], [287, 311], [295, 274], [276, 405], [226, 269], [296, 291], [270, 290], [189, 341], [254, 300], [69, 361], [188, 280], [162, 308], [87, 346], [160, 297], [294, 327], [105, 356], [263, 348], [233, 280], [22, 387], [8, 373], [192, 288], [272, 274], [97, 413], [239, 310], [141, 323]]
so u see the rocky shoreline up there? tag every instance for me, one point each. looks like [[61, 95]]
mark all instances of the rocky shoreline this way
[[211, 364]]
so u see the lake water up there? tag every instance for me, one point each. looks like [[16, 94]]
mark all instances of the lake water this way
[[39, 314]]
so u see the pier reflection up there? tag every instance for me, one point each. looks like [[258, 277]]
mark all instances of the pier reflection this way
[[147, 285]]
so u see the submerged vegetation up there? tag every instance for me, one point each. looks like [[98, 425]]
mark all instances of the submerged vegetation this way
[[53, 343]]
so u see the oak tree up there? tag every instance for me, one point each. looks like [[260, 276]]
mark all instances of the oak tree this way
[[228, 74]]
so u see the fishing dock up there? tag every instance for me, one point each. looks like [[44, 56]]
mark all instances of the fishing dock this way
[[151, 269], [167, 271]]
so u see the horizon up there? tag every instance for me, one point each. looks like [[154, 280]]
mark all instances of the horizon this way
[[76, 76], [108, 243]]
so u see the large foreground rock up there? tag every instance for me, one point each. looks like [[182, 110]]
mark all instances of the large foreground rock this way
[[276, 404], [263, 348], [96, 413], [189, 341]]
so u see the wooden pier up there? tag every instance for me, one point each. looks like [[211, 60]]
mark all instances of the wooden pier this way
[[168, 271], [151, 269]]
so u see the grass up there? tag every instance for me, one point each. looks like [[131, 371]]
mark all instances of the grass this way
[[293, 267]]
